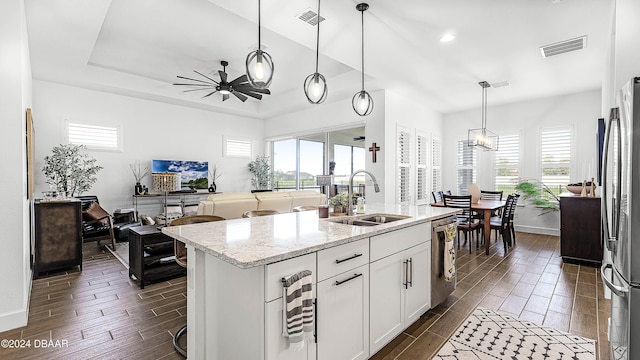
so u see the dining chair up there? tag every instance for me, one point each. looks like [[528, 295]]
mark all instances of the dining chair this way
[[254, 213], [466, 222], [446, 192], [180, 251], [492, 195], [501, 225], [512, 215], [437, 196]]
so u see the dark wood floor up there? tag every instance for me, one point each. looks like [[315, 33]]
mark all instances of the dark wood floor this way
[[531, 282], [104, 315]]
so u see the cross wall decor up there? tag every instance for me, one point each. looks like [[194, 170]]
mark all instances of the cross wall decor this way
[[374, 149]]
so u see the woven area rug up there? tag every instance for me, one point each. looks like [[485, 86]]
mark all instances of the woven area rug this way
[[121, 253], [489, 335]]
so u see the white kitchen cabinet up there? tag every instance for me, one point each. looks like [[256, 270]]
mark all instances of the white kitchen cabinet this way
[[343, 316], [277, 346], [399, 292]]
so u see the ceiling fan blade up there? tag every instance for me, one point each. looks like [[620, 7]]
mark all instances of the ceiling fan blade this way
[[203, 85], [239, 96], [203, 75], [197, 80], [200, 89], [223, 76], [255, 96], [211, 93], [239, 80], [247, 87], [225, 97]]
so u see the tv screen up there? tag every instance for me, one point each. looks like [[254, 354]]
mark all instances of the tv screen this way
[[193, 174], [600, 143]]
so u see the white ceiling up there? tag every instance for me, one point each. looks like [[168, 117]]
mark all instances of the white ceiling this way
[[138, 47]]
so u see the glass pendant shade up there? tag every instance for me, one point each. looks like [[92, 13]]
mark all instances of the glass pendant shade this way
[[362, 103], [259, 65], [482, 137], [315, 88]]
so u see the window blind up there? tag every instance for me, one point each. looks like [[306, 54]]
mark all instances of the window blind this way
[[508, 163], [235, 147], [436, 177], [555, 156], [467, 161], [94, 137], [421, 169], [404, 166]]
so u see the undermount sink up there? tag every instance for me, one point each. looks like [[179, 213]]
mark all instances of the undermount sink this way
[[369, 220]]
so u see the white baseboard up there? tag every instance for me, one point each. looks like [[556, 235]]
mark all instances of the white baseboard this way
[[538, 230], [13, 320]]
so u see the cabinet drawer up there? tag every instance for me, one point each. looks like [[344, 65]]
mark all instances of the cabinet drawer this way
[[276, 271], [390, 243], [336, 260]]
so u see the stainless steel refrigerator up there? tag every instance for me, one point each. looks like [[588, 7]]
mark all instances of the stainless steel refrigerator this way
[[621, 221]]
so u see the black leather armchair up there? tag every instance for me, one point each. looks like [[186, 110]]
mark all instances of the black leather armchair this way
[[98, 225]]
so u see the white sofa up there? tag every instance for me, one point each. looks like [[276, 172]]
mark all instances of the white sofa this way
[[233, 205]]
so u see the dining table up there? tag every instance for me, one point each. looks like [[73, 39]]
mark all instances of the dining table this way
[[486, 207]]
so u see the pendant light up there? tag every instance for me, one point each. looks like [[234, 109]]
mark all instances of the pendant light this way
[[259, 64], [483, 138], [362, 102], [315, 85]]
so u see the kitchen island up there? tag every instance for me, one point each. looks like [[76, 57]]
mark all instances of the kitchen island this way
[[370, 282]]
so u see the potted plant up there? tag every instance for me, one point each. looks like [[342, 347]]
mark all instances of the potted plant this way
[[70, 169], [261, 173], [339, 202], [139, 173], [214, 175], [539, 194]]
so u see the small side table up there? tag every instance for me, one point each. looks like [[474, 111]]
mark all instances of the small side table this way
[[150, 254]]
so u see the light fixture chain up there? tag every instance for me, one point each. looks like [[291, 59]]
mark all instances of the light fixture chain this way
[[259, 17], [318, 38]]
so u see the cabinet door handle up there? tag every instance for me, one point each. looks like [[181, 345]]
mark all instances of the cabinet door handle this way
[[410, 278], [405, 268], [349, 279], [315, 320], [349, 258]]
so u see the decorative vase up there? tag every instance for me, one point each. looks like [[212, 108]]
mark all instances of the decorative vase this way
[[474, 191], [338, 209], [138, 189], [212, 187]]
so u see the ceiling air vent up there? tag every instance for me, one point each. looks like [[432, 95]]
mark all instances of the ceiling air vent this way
[[310, 17], [564, 46]]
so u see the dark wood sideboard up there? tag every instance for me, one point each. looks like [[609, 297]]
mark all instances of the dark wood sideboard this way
[[580, 229], [149, 255], [58, 235]]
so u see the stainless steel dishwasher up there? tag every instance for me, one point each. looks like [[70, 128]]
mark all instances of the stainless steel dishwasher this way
[[440, 288]]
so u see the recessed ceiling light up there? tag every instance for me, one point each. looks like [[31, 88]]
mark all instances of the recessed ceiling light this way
[[447, 37]]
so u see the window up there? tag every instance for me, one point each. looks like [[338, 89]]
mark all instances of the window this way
[[467, 161], [234, 147], [555, 157], [404, 166], [436, 172], [94, 137], [311, 163], [422, 186], [508, 163]]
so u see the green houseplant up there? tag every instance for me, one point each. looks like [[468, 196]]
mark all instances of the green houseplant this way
[[339, 202], [261, 173], [539, 194], [70, 169]]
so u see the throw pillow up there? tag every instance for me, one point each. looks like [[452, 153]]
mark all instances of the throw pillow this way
[[94, 212]]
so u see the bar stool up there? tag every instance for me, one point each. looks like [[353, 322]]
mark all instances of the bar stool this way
[[254, 213]]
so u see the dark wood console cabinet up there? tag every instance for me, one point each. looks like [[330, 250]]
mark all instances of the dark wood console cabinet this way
[[580, 234], [149, 250], [58, 235]]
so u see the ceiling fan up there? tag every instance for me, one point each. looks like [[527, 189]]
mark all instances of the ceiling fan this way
[[240, 87]]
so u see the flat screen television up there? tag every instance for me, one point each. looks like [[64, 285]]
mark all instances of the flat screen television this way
[[600, 143], [193, 174]]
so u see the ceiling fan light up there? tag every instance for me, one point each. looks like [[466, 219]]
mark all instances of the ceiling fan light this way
[[362, 103], [315, 88]]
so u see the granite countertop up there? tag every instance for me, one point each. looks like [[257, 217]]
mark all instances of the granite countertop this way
[[257, 241]]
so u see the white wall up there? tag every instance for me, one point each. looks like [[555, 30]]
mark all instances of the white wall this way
[[151, 130], [15, 92], [580, 110]]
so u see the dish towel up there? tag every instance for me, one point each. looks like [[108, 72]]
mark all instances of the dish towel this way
[[450, 231], [297, 319]]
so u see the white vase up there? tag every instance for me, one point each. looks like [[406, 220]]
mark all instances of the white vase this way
[[474, 191]]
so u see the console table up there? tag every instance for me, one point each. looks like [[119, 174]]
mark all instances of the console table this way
[[149, 255], [184, 198], [580, 228]]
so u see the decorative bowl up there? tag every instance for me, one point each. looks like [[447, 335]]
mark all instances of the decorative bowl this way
[[577, 189]]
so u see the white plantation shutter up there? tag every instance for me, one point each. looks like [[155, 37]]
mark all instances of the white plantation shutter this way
[[467, 161], [235, 147], [508, 163], [404, 166], [555, 156], [422, 186], [94, 137], [436, 177]]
